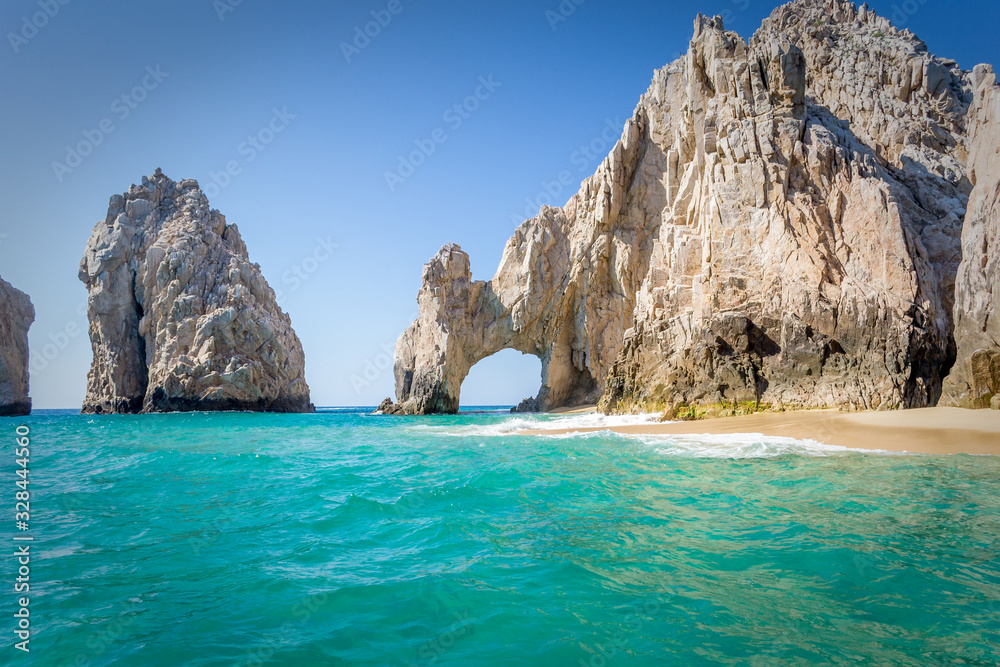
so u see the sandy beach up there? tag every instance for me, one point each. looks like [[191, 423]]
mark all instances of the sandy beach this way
[[925, 431], [582, 410]]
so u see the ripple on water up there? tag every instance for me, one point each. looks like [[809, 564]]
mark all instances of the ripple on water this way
[[347, 539]]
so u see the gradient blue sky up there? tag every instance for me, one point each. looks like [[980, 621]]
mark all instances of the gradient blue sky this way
[[323, 176]]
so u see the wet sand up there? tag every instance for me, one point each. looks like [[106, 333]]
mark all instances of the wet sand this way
[[582, 410], [926, 431]]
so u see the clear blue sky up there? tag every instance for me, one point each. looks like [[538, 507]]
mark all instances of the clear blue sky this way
[[323, 175]]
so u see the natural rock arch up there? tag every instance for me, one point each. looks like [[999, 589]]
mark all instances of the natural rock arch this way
[[462, 322], [762, 233]]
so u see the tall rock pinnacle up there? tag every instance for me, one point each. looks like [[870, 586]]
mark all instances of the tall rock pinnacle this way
[[975, 381], [16, 316], [180, 319]]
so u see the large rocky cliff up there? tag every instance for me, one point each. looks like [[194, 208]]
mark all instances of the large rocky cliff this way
[[975, 381], [180, 319], [16, 316], [780, 223]]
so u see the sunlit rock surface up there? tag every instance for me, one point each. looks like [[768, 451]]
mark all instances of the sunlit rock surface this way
[[975, 381], [16, 316], [180, 319], [779, 224]]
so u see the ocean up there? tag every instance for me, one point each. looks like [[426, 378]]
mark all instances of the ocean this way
[[342, 538]]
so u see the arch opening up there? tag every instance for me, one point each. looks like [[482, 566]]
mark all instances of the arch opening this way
[[502, 379]]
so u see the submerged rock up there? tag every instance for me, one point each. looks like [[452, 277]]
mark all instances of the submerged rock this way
[[975, 380], [779, 223], [16, 316], [180, 319]]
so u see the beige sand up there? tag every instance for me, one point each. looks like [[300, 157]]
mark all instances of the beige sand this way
[[582, 410], [926, 431]]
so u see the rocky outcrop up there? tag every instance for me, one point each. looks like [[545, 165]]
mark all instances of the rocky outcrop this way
[[388, 407], [528, 405], [975, 381], [16, 316], [462, 322], [779, 223], [180, 319], [909, 107], [808, 257]]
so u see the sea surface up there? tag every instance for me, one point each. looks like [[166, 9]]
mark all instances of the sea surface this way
[[342, 538]]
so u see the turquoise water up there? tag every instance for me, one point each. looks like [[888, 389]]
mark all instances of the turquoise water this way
[[346, 539]]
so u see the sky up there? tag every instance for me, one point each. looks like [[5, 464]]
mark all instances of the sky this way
[[310, 114]]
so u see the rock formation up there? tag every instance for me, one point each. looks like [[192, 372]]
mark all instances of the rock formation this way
[[387, 407], [780, 223], [180, 320], [528, 405], [16, 316], [975, 380]]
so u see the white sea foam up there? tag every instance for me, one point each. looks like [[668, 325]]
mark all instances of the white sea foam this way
[[742, 446], [515, 424], [727, 446], [594, 420], [720, 446]]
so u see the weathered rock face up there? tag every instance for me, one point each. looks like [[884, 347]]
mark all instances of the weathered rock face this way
[[779, 223], [16, 316], [528, 405], [462, 322], [804, 260], [180, 320], [975, 380], [388, 407]]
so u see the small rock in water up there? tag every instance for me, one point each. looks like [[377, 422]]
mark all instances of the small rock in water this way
[[387, 407], [528, 405]]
